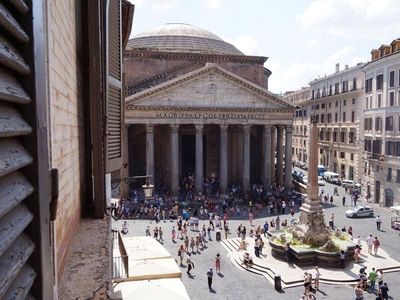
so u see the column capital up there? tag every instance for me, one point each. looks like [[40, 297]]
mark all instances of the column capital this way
[[267, 129], [174, 128], [289, 128], [149, 128], [246, 129], [199, 129], [279, 128], [223, 128]]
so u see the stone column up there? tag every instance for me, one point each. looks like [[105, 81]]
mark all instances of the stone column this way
[[125, 163], [288, 158], [273, 146], [233, 148], [279, 155], [175, 160], [246, 158], [223, 172], [239, 155], [267, 158], [150, 151], [199, 158]]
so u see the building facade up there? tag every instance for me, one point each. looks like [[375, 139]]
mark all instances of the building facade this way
[[198, 106], [381, 125], [336, 101], [300, 99]]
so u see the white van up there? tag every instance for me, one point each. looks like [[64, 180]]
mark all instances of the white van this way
[[349, 183], [331, 177]]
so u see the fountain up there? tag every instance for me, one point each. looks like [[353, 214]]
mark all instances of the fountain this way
[[311, 241]]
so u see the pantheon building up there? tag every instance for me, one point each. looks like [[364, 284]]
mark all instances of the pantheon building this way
[[197, 105]]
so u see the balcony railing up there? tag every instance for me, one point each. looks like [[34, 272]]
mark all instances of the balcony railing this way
[[120, 267]]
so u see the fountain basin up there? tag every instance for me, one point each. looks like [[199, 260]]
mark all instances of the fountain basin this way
[[308, 255]]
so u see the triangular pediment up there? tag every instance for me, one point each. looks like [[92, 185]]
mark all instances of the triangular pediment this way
[[209, 87]]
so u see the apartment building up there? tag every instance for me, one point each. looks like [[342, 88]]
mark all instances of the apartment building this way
[[336, 100], [381, 125], [300, 139]]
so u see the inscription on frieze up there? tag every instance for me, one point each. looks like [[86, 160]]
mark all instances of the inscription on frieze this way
[[215, 116]]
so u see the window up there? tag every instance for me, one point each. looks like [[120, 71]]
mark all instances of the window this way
[[322, 105], [393, 48], [379, 100], [329, 118], [312, 94], [398, 176], [330, 88], [389, 175], [318, 94], [378, 124], [368, 85], [328, 136], [354, 83], [344, 86], [336, 117], [391, 99], [304, 113], [390, 148], [366, 102], [389, 123], [335, 137], [342, 155], [322, 118], [329, 104], [336, 103], [300, 113], [353, 101], [317, 106], [391, 79], [382, 53], [336, 88], [335, 154], [344, 116], [352, 156], [368, 124], [351, 137], [323, 92], [344, 102], [397, 153], [321, 135], [342, 136], [353, 113], [379, 82]]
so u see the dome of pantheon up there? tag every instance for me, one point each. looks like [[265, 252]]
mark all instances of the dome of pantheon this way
[[177, 37]]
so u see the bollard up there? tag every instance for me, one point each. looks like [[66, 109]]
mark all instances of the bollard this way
[[218, 236], [278, 283]]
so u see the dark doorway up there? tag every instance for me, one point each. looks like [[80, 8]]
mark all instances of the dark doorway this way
[[188, 155], [377, 191], [188, 149]]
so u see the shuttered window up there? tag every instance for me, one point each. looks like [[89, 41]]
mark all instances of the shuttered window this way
[[16, 246], [114, 99]]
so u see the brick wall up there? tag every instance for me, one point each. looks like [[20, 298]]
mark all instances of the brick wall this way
[[66, 117]]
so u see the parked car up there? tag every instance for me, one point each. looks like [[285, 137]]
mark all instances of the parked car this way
[[360, 211], [395, 223], [304, 179], [349, 183], [321, 180]]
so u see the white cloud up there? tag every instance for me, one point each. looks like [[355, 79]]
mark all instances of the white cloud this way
[[158, 4], [299, 74], [245, 43], [353, 19], [214, 4], [311, 43]]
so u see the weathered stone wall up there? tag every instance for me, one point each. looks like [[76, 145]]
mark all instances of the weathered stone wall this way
[[138, 68], [66, 117]]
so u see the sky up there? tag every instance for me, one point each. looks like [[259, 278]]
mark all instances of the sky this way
[[302, 39]]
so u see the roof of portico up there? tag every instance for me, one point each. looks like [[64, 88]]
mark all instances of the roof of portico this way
[[208, 88]]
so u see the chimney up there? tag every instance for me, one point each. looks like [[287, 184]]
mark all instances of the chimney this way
[[346, 67], [337, 68]]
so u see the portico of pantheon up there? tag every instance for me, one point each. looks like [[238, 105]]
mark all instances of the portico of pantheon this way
[[196, 103]]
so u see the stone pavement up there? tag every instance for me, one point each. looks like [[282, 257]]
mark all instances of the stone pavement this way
[[236, 283]]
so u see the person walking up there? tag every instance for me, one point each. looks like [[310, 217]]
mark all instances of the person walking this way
[[173, 233], [181, 251], [332, 221], [342, 258], [376, 245], [370, 243], [218, 263], [316, 278], [378, 222], [210, 278], [251, 218], [266, 227], [160, 235], [344, 200], [190, 264]]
